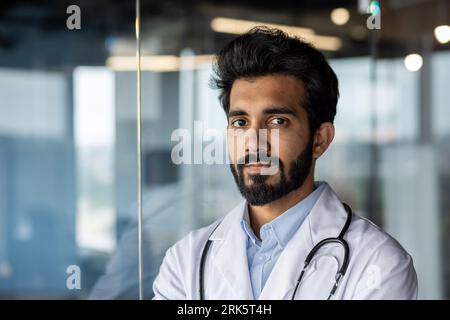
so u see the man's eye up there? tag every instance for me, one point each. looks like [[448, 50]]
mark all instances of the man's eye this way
[[278, 121], [239, 123]]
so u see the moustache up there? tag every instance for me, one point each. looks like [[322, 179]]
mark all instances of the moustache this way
[[260, 157]]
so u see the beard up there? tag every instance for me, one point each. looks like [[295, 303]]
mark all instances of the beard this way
[[260, 192]]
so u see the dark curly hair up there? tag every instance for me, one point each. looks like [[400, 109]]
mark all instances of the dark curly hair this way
[[264, 51]]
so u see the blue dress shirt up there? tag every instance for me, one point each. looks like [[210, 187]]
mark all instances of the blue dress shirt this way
[[263, 254]]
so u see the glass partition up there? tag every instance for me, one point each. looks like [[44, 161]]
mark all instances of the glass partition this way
[[69, 148]]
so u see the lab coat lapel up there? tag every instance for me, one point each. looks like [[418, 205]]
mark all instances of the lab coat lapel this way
[[282, 279], [326, 219], [230, 257]]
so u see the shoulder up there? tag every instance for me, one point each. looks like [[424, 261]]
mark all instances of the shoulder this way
[[385, 269], [218, 229], [175, 280], [194, 239], [370, 238]]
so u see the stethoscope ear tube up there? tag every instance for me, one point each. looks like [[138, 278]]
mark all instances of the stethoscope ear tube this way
[[340, 240], [202, 273], [310, 256]]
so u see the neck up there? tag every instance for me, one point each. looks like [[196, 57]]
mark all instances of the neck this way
[[260, 215]]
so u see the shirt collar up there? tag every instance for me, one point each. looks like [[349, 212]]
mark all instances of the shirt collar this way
[[245, 223], [286, 224]]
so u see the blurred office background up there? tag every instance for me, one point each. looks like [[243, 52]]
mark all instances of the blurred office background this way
[[68, 178]]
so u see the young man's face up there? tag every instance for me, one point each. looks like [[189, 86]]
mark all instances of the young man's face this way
[[269, 102]]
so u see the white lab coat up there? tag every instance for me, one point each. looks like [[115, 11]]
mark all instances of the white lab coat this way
[[379, 267]]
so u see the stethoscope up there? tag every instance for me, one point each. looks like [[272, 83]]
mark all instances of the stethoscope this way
[[339, 274]]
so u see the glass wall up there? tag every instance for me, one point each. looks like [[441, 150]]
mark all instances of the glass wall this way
[[68, 135]]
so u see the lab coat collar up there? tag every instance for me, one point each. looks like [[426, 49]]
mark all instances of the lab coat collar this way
[[326, 219]]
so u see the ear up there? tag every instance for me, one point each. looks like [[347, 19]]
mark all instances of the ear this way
[[323, 137]]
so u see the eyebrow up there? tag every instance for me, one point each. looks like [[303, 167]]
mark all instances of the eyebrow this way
[[269, 110], [235, 113], [279, 110]]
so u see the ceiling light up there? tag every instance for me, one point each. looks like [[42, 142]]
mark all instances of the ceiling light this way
[[158, 63], [442, 33], [413, 62], [340, 16], [236, 26]]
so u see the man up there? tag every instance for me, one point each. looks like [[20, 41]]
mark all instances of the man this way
[[270, 81]]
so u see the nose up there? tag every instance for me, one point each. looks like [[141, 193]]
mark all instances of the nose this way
[[256, 139]]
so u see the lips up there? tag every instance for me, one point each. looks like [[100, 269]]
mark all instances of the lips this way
[[258, 164], [256, 167]]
